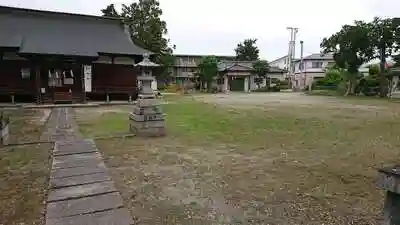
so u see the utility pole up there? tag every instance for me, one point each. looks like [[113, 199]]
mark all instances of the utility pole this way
[[291, 52], [301, 63]]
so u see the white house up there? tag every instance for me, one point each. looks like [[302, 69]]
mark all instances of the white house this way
[[280, 63], [313, 67]]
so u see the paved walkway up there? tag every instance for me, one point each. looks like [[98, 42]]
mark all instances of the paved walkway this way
[[81, 191]]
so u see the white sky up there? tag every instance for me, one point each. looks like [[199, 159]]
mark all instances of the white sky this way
[[217, 26]]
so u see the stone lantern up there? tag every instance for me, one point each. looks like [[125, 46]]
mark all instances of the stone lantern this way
[[389, 181], [147, 118]]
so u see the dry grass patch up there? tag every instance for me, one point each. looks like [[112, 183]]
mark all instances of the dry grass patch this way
[[26, 125], [289, 165], [24, 172]]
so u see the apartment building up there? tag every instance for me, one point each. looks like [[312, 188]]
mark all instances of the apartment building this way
[[186, 66]]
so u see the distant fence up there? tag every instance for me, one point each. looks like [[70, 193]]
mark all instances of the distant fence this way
[[4, 129]]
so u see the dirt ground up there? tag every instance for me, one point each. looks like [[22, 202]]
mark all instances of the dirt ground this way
[[309, 160], [279, 99], [24, 169]]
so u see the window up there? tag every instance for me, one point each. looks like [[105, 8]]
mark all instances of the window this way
[[317, 64], [25, 73]]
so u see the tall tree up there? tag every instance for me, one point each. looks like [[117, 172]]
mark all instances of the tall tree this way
[[110, 11], [208, 70], [147, 30], [261, 67], [352, 47], [247, 50], [383, 34]]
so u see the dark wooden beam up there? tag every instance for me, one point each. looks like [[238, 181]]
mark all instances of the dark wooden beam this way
[[38, 83], [82, 75]]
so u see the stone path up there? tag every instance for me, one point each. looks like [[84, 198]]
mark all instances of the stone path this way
[[81, 190]]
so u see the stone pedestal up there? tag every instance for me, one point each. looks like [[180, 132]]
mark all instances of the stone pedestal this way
[[389, 180], [146, 118]]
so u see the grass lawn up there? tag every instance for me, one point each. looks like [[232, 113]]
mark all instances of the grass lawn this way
[[26, 125], [24, 169], [24, 172], [281, 165]]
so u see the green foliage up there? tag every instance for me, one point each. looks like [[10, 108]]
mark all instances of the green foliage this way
[[208, 70], [110, 11], [147, 30], [373, 70], [351, 48], [356, 44], [275, 88], [247, 50], [333, 77], [261, 68]]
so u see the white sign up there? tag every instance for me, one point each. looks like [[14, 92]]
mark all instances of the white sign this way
[[87, 72]]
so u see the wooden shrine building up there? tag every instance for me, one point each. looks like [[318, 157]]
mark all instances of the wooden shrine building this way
[[50, 57]]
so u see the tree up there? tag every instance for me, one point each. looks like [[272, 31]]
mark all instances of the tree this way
[[247, 50], [110, 11], [352, 47], [373, 70], [208, 70], [148, 31], [384, 36], [261, 67]]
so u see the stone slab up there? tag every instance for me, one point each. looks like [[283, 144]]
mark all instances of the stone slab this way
[[147, 102], [74, 148], [79, 180], [77, 163], [147, 117], [389, 182], [81, 206], [84, 156], [77, 160], [81, 191], [146, 110], [112, 217], [151, 132], [147, 124], [69, 172]]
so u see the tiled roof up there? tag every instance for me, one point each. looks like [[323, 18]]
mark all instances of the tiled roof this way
[[243, 66], [53, 33], [328, 56]]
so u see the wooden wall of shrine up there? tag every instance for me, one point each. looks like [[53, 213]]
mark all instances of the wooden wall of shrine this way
[[19, 80]]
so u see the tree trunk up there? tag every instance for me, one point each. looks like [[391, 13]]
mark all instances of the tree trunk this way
[[383, 87]]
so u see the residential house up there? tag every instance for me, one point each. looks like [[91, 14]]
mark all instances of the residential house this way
[[50, 57], [313, 67], [240, 76], [280, 62]]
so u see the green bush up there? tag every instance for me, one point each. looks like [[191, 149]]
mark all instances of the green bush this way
[[263, 89], [275, 88]]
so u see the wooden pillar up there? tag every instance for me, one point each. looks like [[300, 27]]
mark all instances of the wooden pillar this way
[[38, 83], [82, 75]]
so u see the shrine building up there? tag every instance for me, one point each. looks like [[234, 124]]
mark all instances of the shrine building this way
[[53, 57]]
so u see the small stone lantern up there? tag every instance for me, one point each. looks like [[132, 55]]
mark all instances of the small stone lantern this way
[[147, 118], [389, 180]]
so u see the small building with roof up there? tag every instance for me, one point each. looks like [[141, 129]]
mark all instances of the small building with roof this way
[[240, 75], [50, 57]]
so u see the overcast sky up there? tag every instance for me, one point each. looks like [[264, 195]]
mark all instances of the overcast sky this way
[[217, 26]]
